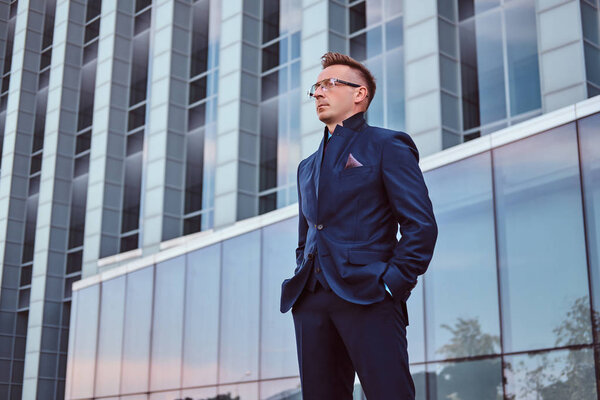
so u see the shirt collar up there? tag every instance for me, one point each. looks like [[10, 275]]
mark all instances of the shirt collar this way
[[353, 122]]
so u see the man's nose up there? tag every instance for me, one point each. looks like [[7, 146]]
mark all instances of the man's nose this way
[[318, 93]]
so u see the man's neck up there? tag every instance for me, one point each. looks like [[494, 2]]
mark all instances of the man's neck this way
[[332, 126]]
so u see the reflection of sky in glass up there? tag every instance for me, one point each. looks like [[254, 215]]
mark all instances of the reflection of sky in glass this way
[[590, 165], [415, 331], [490, 70], [522, 57], [238, 347], [540, 236], [278, 346], [461, 283]]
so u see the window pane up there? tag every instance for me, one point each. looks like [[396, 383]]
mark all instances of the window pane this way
[[415, 334], [240, 391], [565, 374], [278, 345], [238, 348], [268, 145], [467, 380], [270, 20], [136, 336], [541, 242], [200, 37], [395, 90], [167, 326], [522, 57], [590, 167], [110, 337], [463, 266], [84, 349], [490, 70], [201, 317]]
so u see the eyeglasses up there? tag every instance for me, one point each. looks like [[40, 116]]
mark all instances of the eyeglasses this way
[[327, 84]]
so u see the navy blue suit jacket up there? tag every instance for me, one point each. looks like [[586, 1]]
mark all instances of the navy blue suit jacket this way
[[349, 217]]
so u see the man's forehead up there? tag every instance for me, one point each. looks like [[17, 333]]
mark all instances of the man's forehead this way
[[336, 71]]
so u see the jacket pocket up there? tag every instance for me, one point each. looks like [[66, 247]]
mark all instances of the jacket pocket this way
[[364, 257], [356, 170]]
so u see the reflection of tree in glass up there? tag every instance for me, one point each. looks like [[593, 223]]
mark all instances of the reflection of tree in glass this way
[[468, 340], [468, 380], [569, 376]]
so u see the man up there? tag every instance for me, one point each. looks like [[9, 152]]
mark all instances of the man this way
[[353, 276]]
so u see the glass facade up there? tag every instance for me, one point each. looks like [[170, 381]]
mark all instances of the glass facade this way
[[499, 69], [376, 38], [202, 117], [507, 309], [279, 102], [136, 122], [105, 106]]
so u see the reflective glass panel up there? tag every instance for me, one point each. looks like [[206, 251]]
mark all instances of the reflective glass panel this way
[[238, 346], [589, 137], [167, 326], [522, 57], [466, 380], [563, 374], [201, 336], [282, 389], [110, 338], [84, 349], [461, 285], [136, 336], [541, 243], [277, 342]]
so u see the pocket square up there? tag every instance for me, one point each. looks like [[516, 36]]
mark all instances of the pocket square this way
[[352, 162]]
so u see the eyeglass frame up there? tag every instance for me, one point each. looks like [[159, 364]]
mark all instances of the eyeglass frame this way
[[333, 81]]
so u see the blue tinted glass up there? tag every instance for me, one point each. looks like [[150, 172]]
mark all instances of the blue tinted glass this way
[[563, 374], [112, 309], [394, 34], [281, 389], [201, 337], [418, 374], [239, 391], [238, 349], [282, 83], [522, 56], [167, 326], [278, 346], [295, 75], [136, 335], [541, 244], [468, 380], [395, 89], [375, 112], [374, 42], [415, 334], [590, 168], [463, 266], [84, 349], [295, 45], [490, 70], [283, 50]]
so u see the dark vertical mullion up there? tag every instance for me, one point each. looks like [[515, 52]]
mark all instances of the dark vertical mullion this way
[[498, 273]]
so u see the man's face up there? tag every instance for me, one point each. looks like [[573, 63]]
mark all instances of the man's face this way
[[336, 103]]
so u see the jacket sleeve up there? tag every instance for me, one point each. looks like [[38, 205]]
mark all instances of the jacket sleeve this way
[[409, 200], [302, 227]]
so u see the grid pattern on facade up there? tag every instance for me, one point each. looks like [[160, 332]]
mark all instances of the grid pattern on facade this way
[[11, 20], [202, 118], [280, 98], [499, 70], [375, 34]]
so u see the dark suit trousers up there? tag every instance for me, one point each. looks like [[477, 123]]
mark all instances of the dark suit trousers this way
[[335, 338]]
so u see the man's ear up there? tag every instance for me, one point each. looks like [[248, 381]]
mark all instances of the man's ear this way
[[360, 94]]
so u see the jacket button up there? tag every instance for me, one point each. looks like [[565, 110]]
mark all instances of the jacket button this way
[[310, 256], [319, 227], [318, 269]]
